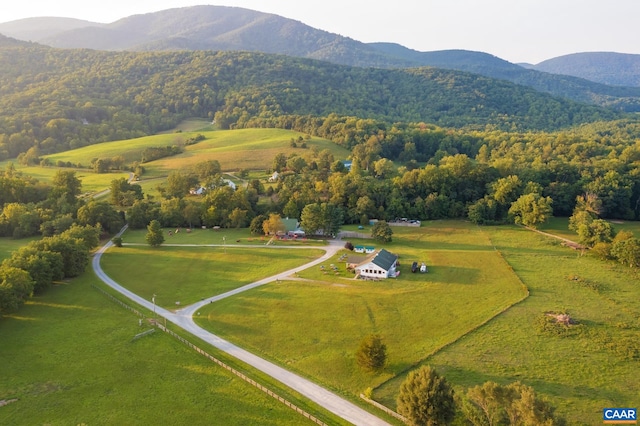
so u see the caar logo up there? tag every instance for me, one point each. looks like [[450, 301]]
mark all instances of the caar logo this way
[[620, 416]]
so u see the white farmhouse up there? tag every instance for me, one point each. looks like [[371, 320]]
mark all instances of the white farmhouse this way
[[381, 265]]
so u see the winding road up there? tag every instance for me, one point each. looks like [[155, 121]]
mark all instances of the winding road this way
[[183, 318]]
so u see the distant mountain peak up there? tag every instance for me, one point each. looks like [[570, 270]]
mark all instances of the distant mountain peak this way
[[227, 28], [617, 69]]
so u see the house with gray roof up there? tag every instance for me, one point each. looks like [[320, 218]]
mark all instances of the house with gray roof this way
[[381, 265]]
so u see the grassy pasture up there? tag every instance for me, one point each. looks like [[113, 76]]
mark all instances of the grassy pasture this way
[[579, 374], [130, 149], [629, 226], [234, 149], [68, 358], [560, 226], [192, 125], [232, 236], [9, 245], [189, 274], [314, 326], [91, 182], [252, 149]]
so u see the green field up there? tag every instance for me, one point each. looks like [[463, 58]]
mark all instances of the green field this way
[[315, 326], [189, 274], [560, 226], [225, 236], [234, 149], [91, 182], [69, 359], [580, 374], [192, 125], [9, 245], [252, 149]]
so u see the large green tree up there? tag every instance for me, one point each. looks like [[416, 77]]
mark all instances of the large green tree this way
[[426, 399], [382, 232], [66, 185], [531, 210], [154, 235], [123, 193], [372, 353], [15, 287], [627, 251], [492, 404], [43, 266]]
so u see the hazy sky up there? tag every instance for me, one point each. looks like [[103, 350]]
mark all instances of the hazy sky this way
[[515, 30]]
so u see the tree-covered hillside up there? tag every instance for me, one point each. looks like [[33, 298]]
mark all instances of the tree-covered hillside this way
[[239, 29], [57, 99], [617, 69]]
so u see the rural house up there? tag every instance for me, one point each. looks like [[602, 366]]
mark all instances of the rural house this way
[[380, 265], [292, 228]]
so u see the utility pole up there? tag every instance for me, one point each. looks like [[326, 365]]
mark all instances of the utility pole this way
[[153, 300]]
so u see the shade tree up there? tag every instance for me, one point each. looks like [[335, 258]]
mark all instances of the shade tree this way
[[426, 398], [372, 353], [154, 236]]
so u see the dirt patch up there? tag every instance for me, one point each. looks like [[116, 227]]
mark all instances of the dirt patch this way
[[4, 402], [561, 318]]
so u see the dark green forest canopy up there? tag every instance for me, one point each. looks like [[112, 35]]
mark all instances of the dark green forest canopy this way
[[59, 99]]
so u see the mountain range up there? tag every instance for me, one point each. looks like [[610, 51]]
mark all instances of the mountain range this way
[[596, 78]]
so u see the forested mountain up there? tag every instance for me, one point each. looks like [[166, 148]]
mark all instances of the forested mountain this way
[[216, 28], [38, 29], [58, 99], [235, 29], [559, 82], [618, 69]]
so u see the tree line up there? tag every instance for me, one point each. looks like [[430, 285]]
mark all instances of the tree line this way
[[69, 229]]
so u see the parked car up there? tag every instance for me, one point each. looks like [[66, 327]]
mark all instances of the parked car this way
[[414, 267], [423, 267]]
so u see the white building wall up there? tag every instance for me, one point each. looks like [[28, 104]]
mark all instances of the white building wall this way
[[370, 270]]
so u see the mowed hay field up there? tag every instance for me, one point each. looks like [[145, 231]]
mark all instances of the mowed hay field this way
[[189, 274], [251, 149], [595, 365], [91, 182], [234, 149], [68, 358], [314, 325]]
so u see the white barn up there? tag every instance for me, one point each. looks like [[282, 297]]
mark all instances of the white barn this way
[[381, 265]]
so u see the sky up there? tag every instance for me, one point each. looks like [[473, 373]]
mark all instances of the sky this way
[[515, 30]]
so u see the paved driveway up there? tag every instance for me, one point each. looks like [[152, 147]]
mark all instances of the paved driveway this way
[[183, 318]]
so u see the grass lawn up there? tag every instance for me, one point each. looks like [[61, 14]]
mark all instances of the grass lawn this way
[[189, 274], [252, 149], [68, 358], [91, 182], [580, 374], [9, 245], [630, 226], [192, 125], [130, 149], [315, 326], [560, 226], [210, 236], [234, 149]]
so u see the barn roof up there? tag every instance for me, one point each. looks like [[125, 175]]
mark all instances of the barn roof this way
[[384, 259]]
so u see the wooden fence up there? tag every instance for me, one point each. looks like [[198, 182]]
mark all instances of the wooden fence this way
[[385, 409], [217, 361], [120, 302]]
